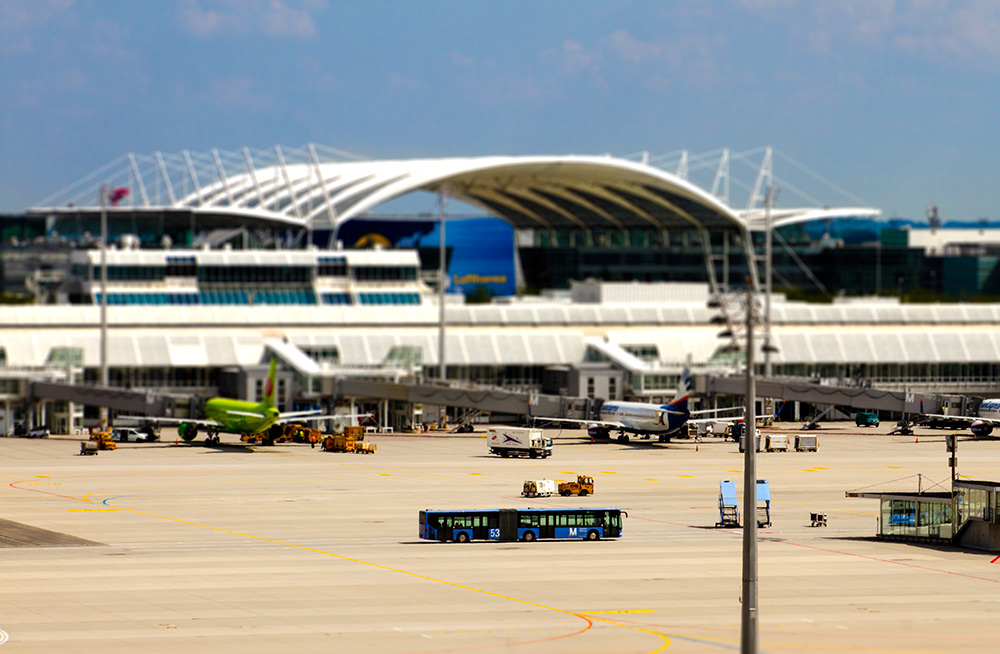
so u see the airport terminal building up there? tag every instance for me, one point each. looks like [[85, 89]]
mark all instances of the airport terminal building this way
[[249, 280]]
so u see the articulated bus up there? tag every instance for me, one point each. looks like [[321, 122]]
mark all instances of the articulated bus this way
[[521, 524]]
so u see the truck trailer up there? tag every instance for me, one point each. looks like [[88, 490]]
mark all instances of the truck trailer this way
[[518, 441]]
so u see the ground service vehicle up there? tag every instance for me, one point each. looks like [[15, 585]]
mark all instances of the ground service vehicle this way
[[347, 443], [518, 441], [128, 434], [583, 485], [866, 419], [99, 440], [539, 488], [520, 524]]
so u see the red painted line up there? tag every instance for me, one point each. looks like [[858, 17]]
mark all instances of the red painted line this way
[[590, 624], [739, 533]]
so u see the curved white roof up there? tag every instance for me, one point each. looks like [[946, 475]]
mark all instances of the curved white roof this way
[[757, 219], [546, 192]]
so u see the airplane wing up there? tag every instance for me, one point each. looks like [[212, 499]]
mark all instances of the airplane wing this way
[[248, 414], [177, 421], [309, 416], [700, 421], [732, 408], [968, 419], [599, 423]]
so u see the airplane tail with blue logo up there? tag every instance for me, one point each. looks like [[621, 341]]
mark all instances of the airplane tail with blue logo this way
[[679, 405]]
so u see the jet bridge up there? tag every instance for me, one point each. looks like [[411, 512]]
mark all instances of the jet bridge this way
[[803, 390]]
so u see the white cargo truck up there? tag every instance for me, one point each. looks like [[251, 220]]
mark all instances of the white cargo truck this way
[[539, 488], [518, 441]]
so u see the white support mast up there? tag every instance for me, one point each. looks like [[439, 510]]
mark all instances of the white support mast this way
[[166, 178]]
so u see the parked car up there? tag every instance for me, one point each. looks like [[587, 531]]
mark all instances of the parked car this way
[[130, 435], [39, 432], [866, 419]]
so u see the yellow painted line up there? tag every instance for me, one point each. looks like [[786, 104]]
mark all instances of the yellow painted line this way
[[384, 474], [567, 473], [475, 473], [80, 510], [894, 467], [666, 640], [582, 616], [739, 472], [687, 476], [43, 477], [607, 472]]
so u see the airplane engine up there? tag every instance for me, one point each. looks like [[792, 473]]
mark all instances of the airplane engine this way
[[596, 431], [187, 431], [980, 428]]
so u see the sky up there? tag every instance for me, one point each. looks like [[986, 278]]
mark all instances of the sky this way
[[895, 102]]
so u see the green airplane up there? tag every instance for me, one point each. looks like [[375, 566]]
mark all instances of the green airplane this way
[[241, 417]]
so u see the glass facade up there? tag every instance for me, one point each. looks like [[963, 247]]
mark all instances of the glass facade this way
[[924, 517]]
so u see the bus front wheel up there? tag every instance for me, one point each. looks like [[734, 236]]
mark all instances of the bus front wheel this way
[[462, 538], [593, 535], [529, 536]]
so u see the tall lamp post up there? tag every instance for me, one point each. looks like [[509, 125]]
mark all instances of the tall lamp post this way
[[748, 596], [748, 618], [104, 299], [442, 286]]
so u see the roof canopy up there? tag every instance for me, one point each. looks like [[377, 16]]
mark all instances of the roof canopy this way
[[547, 192]]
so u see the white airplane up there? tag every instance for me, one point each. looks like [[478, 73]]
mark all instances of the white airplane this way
[[646, 420], [981, 425]]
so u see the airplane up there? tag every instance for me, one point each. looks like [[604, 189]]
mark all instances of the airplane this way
[[645, 420], [240, 416], [981, 425]]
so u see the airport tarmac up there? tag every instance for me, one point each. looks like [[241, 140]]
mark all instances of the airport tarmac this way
[[166, 548]]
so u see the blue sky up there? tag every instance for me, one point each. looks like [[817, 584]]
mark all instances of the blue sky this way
[[897, 102]]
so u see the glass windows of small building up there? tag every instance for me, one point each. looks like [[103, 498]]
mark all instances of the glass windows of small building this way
[[974, 503], [920, 518]]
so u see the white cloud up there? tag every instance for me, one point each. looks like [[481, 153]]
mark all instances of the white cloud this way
[[20, 19], [935, 30], [632, 49], [486, 81], [241, 91], [573, 58], [276, 18], [282, 20]]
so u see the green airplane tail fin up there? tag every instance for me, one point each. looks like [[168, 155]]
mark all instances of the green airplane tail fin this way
[[270, 388]]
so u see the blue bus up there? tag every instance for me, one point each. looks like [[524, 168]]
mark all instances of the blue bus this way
[[521, 524]]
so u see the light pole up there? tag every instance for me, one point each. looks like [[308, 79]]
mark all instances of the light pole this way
[[748, 621], [748, 594], [442, 282], [104, 299]]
